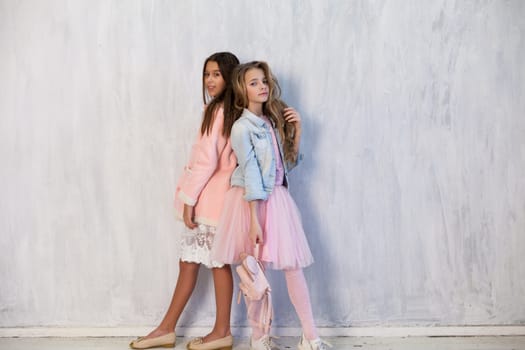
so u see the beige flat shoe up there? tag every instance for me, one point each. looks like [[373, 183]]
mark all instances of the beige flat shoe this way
[[164, 341], [225, 343]]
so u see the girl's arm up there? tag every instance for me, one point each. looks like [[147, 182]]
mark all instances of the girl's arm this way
[[203, 162], [255, 232], [243, 148]]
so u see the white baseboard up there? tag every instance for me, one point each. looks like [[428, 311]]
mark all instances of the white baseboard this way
[[431, 331]]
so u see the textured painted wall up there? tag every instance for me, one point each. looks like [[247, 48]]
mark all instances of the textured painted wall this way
[[412, 189]]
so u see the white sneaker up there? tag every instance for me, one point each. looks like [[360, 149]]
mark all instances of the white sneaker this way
[[316, 344], [264, 343]]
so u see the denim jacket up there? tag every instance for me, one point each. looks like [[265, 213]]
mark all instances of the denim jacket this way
[[252, 143]]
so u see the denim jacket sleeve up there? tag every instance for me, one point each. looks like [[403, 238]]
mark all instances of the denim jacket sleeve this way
[[244, 150], [291, 165]]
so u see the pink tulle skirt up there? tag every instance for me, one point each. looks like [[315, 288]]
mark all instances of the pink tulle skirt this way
[[285, 245]]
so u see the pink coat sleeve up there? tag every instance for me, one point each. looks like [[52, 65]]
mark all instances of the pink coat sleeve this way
[[202, 163]]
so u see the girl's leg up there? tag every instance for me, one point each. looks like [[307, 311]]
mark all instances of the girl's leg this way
[[223, 283], [186, 281], [298, 291]]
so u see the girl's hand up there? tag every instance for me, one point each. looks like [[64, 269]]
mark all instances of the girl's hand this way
[[187, 216], [292, 116], [255, 232]]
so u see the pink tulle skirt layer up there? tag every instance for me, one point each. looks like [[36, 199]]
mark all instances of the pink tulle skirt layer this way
[[285, 245]]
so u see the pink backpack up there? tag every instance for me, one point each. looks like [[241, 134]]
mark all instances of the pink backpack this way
[[256, 290]]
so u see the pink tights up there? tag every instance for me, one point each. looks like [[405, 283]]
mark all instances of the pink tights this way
[[300, 298]]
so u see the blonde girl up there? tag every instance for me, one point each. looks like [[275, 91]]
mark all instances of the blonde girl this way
[[258, 208]]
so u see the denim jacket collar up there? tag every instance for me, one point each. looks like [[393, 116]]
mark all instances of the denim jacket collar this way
[[258, 121]]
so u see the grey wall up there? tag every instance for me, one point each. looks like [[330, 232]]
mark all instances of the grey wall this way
[[412, 190]]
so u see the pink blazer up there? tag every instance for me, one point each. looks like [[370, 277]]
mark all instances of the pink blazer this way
[[206, 177]]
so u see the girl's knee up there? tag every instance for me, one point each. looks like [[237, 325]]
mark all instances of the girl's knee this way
[[188, 266]]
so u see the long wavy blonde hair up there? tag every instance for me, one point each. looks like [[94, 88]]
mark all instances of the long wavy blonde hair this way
[[273, 108]]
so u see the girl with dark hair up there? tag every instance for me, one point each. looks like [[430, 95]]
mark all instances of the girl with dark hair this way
[[198, 201]]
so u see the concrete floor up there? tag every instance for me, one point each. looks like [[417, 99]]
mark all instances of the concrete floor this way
[[340, 343]]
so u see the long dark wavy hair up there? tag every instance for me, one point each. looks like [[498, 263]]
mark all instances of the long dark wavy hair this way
[[227, 62], [272, 108]]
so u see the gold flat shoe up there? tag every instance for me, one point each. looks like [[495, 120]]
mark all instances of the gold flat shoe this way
[[164, 341], [225, 343]]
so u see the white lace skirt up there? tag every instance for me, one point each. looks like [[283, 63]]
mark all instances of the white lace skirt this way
[[196, 245]]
